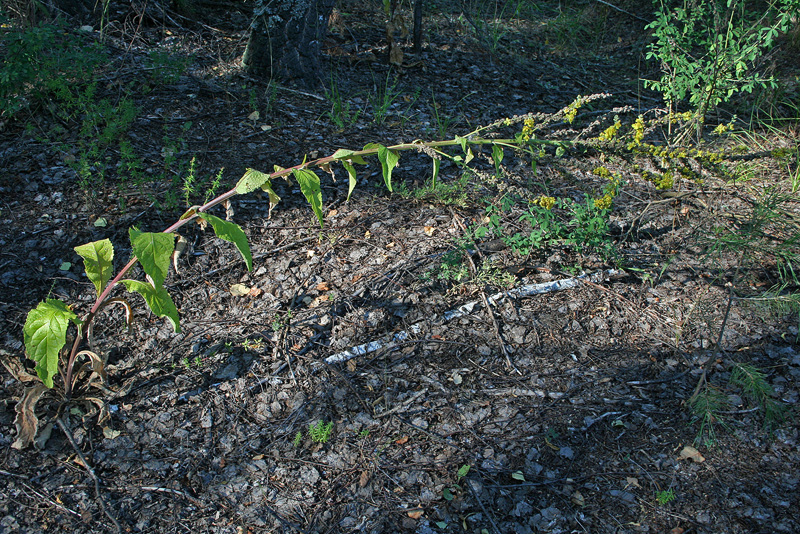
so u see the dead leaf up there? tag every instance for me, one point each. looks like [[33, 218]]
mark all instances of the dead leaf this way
[[416, 514], [333, 213], [15, 367], [578, 499], [323, 286], [367, 234], [256, 292], [631, 481], [396, 55], [351, 366], [254, 116], [108, 433], [180, 246], [238, 290], [364, 478], [677, 530], [26, 421], [429, 230], [690, 452], [402, 441]]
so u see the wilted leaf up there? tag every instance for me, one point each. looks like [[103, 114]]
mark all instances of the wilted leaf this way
[[237, 290], [45, 334], [15, 368], [389, 160], [309, 185], [436, 164], [577, 499], [108, 433], [101, 222], [254, 116], [690, 452], [26, 421], [154, 250], [429, 230], [157, 299], [631, 481], [180, 246], [98, 259], [351, 173], [518, 475], [256, 292], [232, 233]]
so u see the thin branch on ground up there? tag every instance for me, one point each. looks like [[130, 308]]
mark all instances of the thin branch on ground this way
[[92, 475]]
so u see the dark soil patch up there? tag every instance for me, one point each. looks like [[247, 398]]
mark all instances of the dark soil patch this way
[[567, 405]]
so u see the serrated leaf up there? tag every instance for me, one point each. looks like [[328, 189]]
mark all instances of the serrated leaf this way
[[250, 181], [154, 249], [157, 299], [98, 263], [309, 185], [347, 155], [232, 233], [389, 160], [45, 334], [351, 173], [26, 421]]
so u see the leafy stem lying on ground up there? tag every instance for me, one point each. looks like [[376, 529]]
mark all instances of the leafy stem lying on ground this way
[[46, 327]]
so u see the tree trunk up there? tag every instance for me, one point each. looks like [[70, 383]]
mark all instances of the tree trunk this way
[[285, 40]]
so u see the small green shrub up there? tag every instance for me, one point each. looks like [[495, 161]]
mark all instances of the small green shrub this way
[[707, 50]]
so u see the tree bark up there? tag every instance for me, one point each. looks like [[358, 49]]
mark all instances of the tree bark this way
[[286, 39]]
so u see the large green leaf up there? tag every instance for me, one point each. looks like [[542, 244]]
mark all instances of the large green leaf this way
[[154, 251], [251, 181], [309, 185], [233, 233], [157, 299], [98, 259], [45, 334]]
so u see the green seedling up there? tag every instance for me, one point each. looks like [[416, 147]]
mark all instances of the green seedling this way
[[449, 493], [320, 432], [665, 497]]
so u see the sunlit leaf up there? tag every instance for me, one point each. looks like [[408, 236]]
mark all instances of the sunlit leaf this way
[[250, 181], [309, 185], [233, 233], [154, 250], [347, 155], [98, 259], [45, 334], [157, 299]]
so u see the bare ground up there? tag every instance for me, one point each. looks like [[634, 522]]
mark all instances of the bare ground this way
[[567, 405]]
